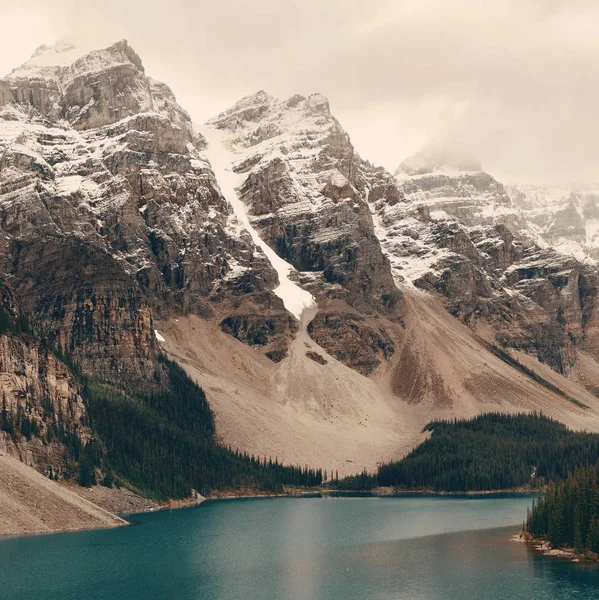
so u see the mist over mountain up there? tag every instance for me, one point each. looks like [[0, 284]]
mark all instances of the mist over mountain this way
[[502, 78]]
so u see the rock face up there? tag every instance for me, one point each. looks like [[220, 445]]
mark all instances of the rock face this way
[[455, 187], [102, 176], [351, 340], [261, 331], [84, 303], [565, 218], [306, 190], [457, 234], [41, 404]]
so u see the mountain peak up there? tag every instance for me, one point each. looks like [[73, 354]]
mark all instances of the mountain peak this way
[[318, 103], [59, 48], [261, 95], [262, 108], [258, 98], [248, 108], [49, 61], [314, 103]]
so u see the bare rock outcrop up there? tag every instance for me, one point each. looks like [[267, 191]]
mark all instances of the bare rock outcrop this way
[[109, 212], [351, 340], [456, 233], [307, 191]]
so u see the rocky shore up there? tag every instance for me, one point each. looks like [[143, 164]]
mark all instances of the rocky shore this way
[[67, 506], [542, 546]]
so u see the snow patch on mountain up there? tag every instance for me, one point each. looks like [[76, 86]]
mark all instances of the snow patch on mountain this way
[[566, 218], [407, 241], [49, 62], [295, 299]]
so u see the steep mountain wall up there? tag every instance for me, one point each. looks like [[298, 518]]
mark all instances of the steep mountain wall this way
[[109, 211], [458, 234], [43, 418], [328, 308]]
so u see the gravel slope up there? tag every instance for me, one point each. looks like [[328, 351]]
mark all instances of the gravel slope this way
[[330, 416], [31, 503]]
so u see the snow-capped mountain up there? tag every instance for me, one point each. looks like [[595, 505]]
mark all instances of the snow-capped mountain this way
[[460, 234], [456, 187], [328, 308], [306, 191], [96, 152]]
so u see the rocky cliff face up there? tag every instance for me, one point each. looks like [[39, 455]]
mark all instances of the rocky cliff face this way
[[102, 175], [84, 304], [456, 187], [306, 191], [565, 218], [458, 234], [42, 413]]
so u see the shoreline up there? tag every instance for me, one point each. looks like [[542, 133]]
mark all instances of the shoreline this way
[[543, 547], [31, 503], [374, 493], [122, 503], [228, 495]]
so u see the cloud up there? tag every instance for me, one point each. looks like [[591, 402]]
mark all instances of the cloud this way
[[514, 81]]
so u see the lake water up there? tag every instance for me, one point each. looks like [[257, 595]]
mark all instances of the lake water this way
[[291, 549]]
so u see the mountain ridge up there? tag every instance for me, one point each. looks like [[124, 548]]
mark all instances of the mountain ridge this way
[[114, 224]]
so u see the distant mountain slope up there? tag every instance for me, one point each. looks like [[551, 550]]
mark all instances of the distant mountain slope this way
[[457, 233], [450, 186], [566, 218]]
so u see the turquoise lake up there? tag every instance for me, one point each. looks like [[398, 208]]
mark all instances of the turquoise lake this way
[[298, 548]]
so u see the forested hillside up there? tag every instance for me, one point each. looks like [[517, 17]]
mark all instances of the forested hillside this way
[[163, 443], [490, 452]]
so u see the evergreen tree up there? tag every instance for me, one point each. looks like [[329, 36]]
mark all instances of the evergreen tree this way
[[567, 513], [87, 476], [495, 451], [163, 445]]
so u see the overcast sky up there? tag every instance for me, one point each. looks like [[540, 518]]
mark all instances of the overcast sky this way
[[515, 82]]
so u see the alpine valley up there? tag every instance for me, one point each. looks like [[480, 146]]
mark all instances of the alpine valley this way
[[326, 308]]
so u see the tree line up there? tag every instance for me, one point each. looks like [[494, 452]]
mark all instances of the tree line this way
[[489, 452], [162, 443]]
